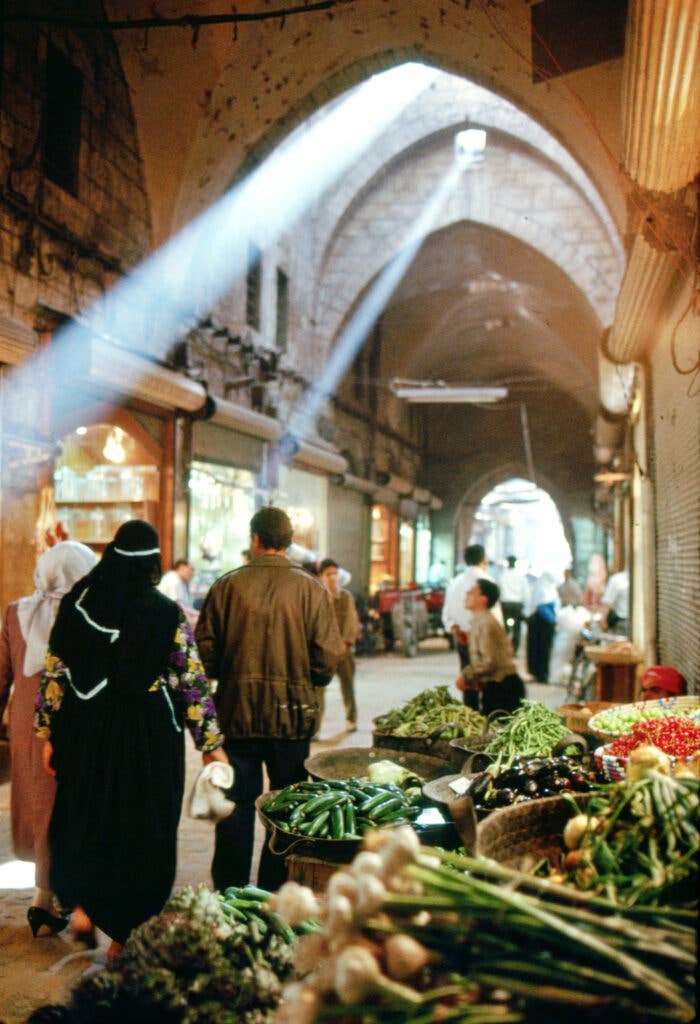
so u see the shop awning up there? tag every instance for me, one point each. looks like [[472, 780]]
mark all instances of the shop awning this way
[[123, 371]]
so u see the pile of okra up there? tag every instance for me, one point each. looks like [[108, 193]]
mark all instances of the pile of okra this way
[[342, 809]]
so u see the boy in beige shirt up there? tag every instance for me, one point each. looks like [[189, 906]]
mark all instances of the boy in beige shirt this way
[[491, 670]]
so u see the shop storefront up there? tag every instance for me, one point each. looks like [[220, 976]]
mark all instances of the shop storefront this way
[[106, 473], [305, 498], [407, 540], [383, 548], [222, 477], [423, 546], [348, 531]]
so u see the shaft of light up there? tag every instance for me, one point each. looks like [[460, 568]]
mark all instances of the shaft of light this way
[[353, 335], [149, 308]]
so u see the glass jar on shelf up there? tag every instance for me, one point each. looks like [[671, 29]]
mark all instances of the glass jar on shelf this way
[[81, 523], [98, 530]]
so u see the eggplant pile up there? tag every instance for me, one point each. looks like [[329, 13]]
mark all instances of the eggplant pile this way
[[529, 779]]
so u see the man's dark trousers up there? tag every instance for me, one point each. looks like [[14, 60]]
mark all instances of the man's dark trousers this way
[[233, 853]]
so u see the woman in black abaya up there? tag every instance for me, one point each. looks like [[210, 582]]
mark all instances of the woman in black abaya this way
[[122, 677]]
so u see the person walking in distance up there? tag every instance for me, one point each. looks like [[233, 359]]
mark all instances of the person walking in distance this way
[[175, 584], [457, 618], [268, 635], [515, 593], [346, 616]]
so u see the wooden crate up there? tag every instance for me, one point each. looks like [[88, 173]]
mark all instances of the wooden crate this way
[[311, 871]]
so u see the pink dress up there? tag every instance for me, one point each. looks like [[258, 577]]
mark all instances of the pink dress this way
[[32, 789]]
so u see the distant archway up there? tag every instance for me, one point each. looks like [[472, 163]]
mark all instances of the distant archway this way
[[485, 485], [517, 518]]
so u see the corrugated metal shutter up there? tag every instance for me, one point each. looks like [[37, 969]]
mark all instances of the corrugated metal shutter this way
[[348, 533], [220, 444], [677, 496]]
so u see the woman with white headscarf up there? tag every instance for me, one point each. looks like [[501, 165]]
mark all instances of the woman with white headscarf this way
[[24, 639]]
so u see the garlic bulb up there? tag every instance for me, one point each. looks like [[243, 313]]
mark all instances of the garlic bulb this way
[[404, 956], [647, 759]]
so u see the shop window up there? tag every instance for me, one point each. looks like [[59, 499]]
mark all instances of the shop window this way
[[406, 551], [253, 287], [62, 114], [222, 502], [282, 310], [104, 477], [383, 550]]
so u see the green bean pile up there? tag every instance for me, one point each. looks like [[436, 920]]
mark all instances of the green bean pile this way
[[433, 712], [341, 809], [530, 731]]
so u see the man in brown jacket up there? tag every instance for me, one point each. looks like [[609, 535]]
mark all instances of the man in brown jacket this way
[[268, 635]]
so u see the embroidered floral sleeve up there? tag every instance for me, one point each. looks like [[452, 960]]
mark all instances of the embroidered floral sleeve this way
[[50, 696], [189, 686]]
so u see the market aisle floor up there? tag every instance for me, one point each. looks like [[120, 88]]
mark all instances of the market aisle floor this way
[[382, 682]]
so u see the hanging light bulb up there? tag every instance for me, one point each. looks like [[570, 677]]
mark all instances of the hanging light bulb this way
[[114, 450]]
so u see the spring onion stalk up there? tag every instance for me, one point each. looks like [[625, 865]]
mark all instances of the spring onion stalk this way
[[485, 947]]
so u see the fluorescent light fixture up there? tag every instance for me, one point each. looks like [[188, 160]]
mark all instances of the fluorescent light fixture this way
[[452, 395], [470, 146]]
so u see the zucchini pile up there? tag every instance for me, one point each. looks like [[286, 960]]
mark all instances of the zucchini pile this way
[[247, 912], [341, 809]]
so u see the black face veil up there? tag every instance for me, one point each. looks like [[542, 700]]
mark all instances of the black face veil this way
[[114, 625]]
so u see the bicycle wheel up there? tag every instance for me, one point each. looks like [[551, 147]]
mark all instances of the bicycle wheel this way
[[574, 687]]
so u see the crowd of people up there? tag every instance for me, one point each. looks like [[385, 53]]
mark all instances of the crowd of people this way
[[546, 607], [107, 663]]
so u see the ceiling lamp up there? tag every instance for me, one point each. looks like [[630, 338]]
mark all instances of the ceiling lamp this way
[[470, 147], [439, 392], [114, 450]]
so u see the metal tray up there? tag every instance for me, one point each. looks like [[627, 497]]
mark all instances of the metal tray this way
[[352, 762]]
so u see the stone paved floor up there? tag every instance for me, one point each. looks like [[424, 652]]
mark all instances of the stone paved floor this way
[[384, 681]]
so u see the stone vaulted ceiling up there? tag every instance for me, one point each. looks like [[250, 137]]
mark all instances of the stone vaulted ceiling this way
[[520, 274]]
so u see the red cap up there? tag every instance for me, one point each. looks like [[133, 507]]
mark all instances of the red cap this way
[[663, 677]]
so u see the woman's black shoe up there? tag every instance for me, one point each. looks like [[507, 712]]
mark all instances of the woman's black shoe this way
[[37, 917]]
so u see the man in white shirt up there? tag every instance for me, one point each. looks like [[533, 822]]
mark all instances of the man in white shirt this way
[[515, 593], [175, 585], [455, 617], [615, 602]]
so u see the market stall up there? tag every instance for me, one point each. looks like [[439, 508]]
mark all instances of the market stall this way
[[582, 903]]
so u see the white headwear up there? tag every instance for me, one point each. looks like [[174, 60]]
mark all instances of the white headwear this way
[[57, 570]]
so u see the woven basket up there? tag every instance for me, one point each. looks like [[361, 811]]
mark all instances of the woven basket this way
[[577, 716], [311, 871], [670, 705], [524, 834], [614, 769]]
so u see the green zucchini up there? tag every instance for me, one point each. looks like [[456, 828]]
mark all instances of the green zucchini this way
[[324, 802], [318, 823], [337, 822], [384, 806]]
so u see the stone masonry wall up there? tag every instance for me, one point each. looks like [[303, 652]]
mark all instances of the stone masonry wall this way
[[56, 249]]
